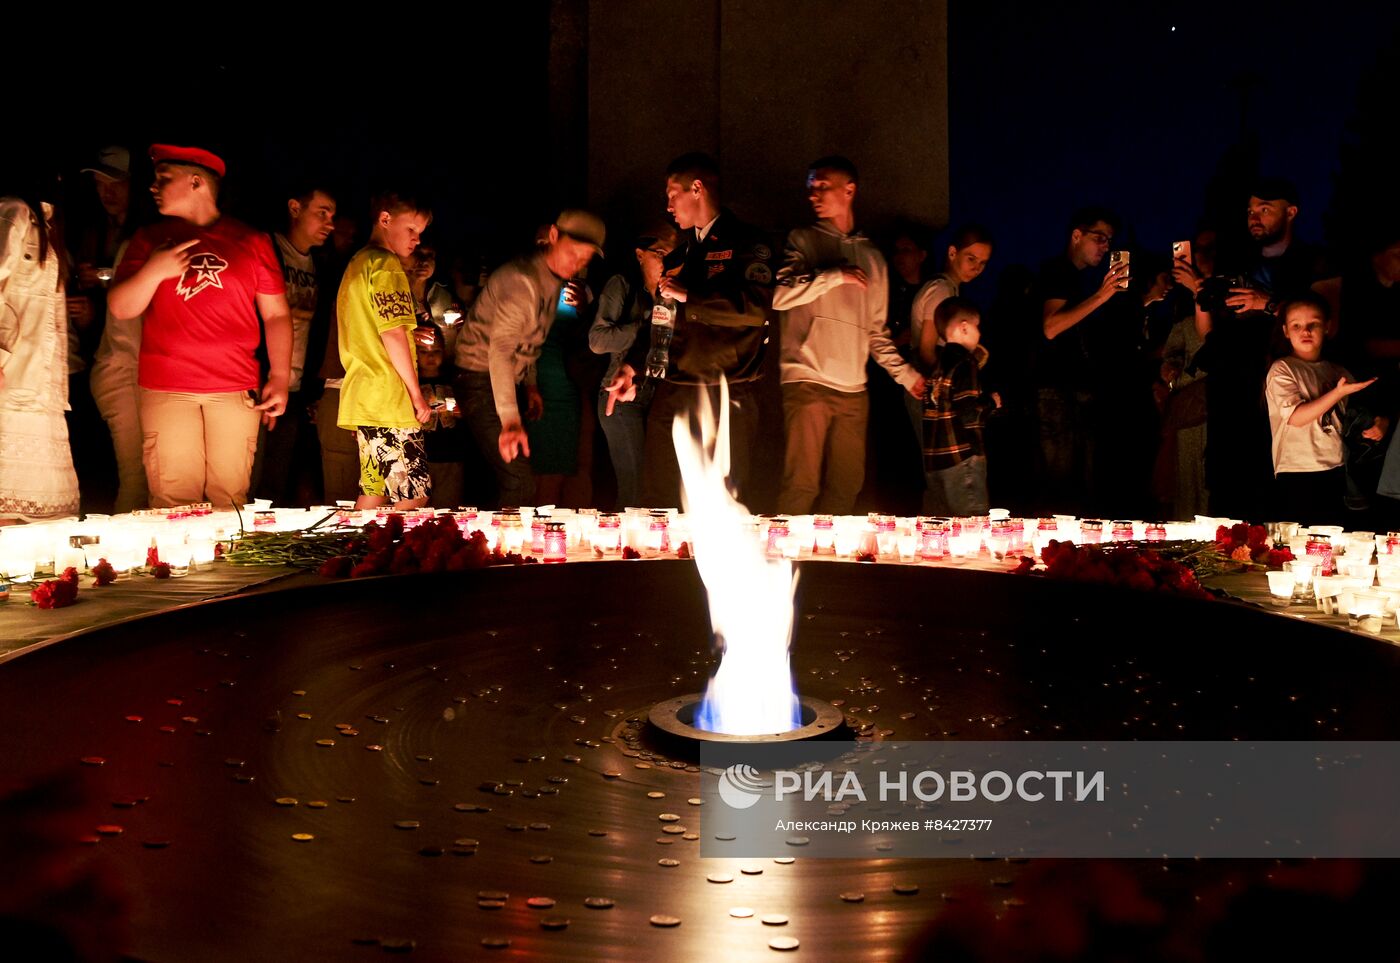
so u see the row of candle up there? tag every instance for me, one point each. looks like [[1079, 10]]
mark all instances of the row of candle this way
[[187, 536]]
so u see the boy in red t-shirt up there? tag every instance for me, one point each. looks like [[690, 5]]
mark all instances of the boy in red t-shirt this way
[[202, 280]]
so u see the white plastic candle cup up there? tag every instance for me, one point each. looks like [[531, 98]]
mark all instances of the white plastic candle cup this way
[[1304, 571], [1280, 586]]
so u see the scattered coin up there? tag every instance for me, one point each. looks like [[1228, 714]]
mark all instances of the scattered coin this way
[[491, 904], [597, 832], [495, 942], [540, 902], [853, 897], [906, 889], [406, 824], [784, 943], [668, 863], [554, 923], [325, 743], [656, 795], [669, 818], [673, 829], [317, 804], [751, 870], [285, 801], [774, 919], [798, 840], [661, 919], [612, 774], [303, 837], [691, 836], [720, 878], [598, 902], [696, 801], [741, 912]]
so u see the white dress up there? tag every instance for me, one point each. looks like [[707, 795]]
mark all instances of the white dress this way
[[36, 465]]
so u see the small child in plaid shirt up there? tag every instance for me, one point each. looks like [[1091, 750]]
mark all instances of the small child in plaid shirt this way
[[955, 458]]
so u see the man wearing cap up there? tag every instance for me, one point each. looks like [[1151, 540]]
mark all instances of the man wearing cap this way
[[100, 389], [501, 341], [1236, 350], [201, 281]]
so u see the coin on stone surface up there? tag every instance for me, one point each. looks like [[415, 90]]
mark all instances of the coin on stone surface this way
[[669, 818], [661, 919], [906, 889], [324, 743], [598, 902], [751, 870], [540, 902], [774, 919], [285, 801], [406, 824], [303, 837], [554, 923], [668, 863], [317, 804], [741, 912], [720, 878], [853, 897], [784, 943]]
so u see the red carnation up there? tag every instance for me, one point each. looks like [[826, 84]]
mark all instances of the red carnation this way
[[161, 569], [103, 573], [629, 552], [337, 567]]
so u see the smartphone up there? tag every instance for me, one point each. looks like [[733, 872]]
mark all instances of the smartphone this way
[[1181, 251], [1119, 257]]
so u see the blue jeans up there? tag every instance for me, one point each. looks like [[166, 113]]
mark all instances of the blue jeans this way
[[963, 488], [626, 430]]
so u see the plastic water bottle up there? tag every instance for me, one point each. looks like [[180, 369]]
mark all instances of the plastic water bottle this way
[[663, 326]]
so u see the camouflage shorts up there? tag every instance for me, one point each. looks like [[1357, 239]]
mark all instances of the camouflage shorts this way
[[393, 464]]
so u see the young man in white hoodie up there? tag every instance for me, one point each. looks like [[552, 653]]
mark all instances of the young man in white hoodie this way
[[832, 293]]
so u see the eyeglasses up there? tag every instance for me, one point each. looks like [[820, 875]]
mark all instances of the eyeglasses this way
[[1100, 237]]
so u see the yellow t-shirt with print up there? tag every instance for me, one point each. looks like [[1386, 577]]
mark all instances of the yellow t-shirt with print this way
[[374, 297]]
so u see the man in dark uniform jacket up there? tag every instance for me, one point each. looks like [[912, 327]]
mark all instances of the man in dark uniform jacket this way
[[724, 294]]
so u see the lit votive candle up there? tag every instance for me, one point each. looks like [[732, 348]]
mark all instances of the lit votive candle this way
[[1281, 586]]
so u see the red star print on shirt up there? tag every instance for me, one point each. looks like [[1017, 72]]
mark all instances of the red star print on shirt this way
[[202, 273]]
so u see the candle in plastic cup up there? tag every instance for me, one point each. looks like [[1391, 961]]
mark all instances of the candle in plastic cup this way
[[1281, 586]]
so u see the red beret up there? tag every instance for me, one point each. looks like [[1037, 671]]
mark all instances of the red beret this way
[[187, 155]]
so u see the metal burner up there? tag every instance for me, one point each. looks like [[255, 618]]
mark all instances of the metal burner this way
[[674, 720]]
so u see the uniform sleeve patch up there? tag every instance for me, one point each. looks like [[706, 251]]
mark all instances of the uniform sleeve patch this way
[[759, 273]]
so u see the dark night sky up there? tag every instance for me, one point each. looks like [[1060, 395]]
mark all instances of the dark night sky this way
[[1051, 105]]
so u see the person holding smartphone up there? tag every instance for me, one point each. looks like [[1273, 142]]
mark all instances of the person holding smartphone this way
[[1072, 296]]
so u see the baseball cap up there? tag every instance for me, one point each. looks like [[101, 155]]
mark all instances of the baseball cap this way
[[1275, 189], [113, 162], [187, 155], [582, 226]]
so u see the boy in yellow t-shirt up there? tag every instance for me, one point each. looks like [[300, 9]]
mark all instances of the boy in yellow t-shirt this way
[[379, 398]]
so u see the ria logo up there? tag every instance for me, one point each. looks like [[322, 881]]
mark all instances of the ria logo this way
[[203, 272], [741, 786]]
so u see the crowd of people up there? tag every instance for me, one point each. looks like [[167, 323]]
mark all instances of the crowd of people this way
[[197, 358]]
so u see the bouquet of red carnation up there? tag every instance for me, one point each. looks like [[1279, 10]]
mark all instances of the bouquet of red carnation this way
[[1249, 545], [1123, 565], [57, 593]]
